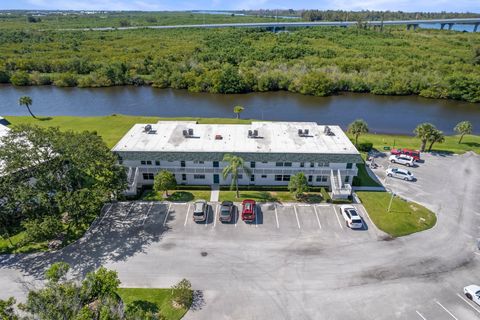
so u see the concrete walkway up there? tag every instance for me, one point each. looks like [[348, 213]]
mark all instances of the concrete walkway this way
[[215, 193]]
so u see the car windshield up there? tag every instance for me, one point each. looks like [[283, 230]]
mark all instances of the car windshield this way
[[199, 206], [225, 212], [353, 213], [477, 293], [248, 206], [198, 213]]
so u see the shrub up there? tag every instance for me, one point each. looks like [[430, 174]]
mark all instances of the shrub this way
[[365, 146], [20, 78], [325, 195], [4, 76], [66, 80], [42, 229], [182, 293]]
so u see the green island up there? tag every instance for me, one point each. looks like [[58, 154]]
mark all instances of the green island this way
[[313, 61]]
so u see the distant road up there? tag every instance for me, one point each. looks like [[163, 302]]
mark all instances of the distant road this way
[[469, 21]]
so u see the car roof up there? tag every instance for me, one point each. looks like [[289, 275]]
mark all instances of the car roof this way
[[401, 170], [248, 201], [473, 287], [227, 203]]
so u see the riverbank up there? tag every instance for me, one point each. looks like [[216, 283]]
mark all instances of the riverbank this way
[[113, 127]]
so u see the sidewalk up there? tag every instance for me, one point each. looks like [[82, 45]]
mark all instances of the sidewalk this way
[[214, 195]]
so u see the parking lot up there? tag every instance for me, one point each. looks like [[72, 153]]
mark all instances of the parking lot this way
[[272, 220]]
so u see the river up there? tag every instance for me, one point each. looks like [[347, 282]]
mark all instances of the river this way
[[384, 114]]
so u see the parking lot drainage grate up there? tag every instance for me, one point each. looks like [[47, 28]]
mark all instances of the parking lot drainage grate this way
[[204, 253]]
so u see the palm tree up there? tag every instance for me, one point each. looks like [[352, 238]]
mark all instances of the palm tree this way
[[423, 131], [237, 110], [357, 127], [235, 165], [435, 136], [27, 102], [463, 128]]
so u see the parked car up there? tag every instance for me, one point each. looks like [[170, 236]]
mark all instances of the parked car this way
[[472, 292], [351, 217], [200, 208], [415, 154], [400, 174], [402, 159], [248, 210], [226, 211]]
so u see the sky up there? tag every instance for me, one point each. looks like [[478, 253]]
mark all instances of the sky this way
[[171, 5]]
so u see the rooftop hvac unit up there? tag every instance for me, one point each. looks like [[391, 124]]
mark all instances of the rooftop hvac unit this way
[[250, 133], [255, 133], [300, 132], [190, 132], [148, 128], [305, 132], [185, 133], [328, 131]]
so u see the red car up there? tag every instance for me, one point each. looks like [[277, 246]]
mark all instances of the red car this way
[[248, 210], [415, 154]]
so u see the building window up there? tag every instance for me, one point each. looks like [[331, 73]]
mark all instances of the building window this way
[[182, 163], [286, 177], [312, 164], [184, 176], [240, 176], [321, 178], [252, 164], [278, 177], [349, 165], [287, 164], [120, 160], [278, 164], [310, 178], [346, 179], [143, 162], [252, 177], [322, 164], [264, 176], [264, 162], [157, 162], [149, 162], [148, 176], [302, 164], [198, 162], [215, 164], [199, 176]]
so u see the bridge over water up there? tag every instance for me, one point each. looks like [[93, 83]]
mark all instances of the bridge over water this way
[[411, 24]]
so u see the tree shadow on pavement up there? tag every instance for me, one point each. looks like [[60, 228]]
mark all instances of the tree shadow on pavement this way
[[121, 233]]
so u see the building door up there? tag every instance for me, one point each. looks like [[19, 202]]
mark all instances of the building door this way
[[216, 178]]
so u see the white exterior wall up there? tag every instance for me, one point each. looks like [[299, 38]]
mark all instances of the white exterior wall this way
[[207, 168]]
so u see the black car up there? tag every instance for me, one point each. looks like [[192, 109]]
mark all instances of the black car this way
[[226, 211]]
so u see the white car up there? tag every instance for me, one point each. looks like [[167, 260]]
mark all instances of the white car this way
[[400, 174], [472, 292], [402, 159], [351, 217]]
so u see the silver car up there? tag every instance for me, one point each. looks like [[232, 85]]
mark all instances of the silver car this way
[[402, 159], [400, 174], [200, 208]]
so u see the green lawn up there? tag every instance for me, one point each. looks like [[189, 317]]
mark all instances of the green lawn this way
[[268, 196], [469, 143], [154, 300], [17, 245], [112, 127], [177, 195], [363, 179], [404, 217]]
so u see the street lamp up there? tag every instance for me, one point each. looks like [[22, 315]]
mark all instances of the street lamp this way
[[389, 190]]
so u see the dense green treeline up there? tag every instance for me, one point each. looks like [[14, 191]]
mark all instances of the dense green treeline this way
[[367, 15], [315, 61]]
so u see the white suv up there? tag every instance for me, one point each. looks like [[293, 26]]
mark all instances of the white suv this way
[[400, 173], [402, 159]]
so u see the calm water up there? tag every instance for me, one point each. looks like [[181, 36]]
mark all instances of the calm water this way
[[384, 114]]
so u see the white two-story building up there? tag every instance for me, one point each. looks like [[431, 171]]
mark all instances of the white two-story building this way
[[274, 151]]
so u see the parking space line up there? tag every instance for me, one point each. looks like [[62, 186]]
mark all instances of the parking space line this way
[[276, 216], [451, 314], [338, 219], [477, 253], [236, 216], [296, 216], [215, 215], [420, 315], [316, 215], [186, 217], [129, 210], [106, 213], [468, 302], [146, 214], [166, 216]]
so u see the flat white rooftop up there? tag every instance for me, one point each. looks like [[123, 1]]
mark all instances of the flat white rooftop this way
[[273, 137]]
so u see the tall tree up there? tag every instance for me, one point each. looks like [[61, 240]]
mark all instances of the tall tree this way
[[423, 132], [463, 128], [237, 110], [356, 128], [435, 136], [164, 180], [298, 184], [27, 102], [234, 167]]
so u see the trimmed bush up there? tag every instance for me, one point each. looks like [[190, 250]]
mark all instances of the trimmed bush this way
[[365, 146]]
